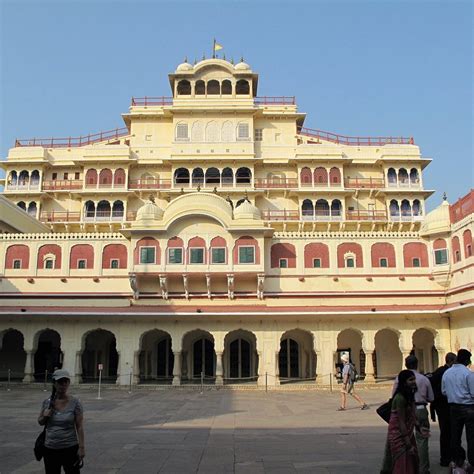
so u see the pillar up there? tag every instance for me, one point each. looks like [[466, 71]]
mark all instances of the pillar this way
[[78, 367], [369, 366], [28, 377], [219, 371], [177, 368], [277, 368], [320, 379], [136, 367]]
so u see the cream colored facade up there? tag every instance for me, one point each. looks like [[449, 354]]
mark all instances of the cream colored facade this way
[[216, 234]]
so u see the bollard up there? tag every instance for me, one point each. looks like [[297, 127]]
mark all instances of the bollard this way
[[45, 380], [100, 380], [9, 379], [266, 382], [130, 389], [330, 382], [202, 382]]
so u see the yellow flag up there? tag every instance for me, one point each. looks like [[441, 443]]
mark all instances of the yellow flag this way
[[217, 46]]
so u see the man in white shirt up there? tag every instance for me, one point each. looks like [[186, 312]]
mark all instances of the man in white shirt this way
[[458, 386]]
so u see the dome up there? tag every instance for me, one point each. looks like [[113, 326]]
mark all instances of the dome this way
[[437, 221], [247, 211], [184, 67], [149, 212], [242, 66]]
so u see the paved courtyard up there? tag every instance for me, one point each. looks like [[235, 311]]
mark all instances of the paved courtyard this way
[[218, 431]]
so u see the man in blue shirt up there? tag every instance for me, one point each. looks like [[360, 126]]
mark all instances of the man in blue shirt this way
[[458, 386]]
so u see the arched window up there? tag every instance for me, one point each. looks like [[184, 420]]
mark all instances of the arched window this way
[[175, 251], [197, 132], [197, 252], [21, 205], [212, 132], [119, 177], [456, 246], [415, 254], [243, 176], [114, 256], [226, 87], [336, 208], [414, 178], [181, 176], [316, 255], [227, 131], [198, 177], [218, 251], [117, 210], [13, 178], [320, 177], [242, 87], [89, 210], [405, 208], [307, 210], [213, 87], [283, 255], [392, 176], [17, 257], [416, 209], [383, 255], [213, 176], [394, 208], [200, 88], [32, 209], [91, 177], [81, 253], [103, 211], [321, 209], [349, 250], [105, 178], [51, 252], [246, 251], [184, 87], [147, 251], [306, 177], [23, 178], [440, 249], [227, 177], [182, 133], [467, 241], [335, 176], [402, 176], [35, 177]]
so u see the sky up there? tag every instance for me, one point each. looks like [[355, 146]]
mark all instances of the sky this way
[[379, 68]]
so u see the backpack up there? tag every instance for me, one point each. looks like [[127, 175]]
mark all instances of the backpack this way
[[353, 375]]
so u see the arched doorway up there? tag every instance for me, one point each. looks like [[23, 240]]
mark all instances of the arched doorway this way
[[350, 340], [156, 358], [12, 355], [48, 355], [296, 358], [199, 356], [388, 357], [240, 357], [99, 348], [425, 350]]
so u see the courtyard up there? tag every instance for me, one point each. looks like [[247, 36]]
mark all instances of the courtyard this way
[[217, 431]]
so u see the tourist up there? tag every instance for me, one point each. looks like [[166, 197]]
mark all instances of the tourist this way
[[458, 386], [423, 396], [62, 415], [401, 438], [348, 379], [440, 408]]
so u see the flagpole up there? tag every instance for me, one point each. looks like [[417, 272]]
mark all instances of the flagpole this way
[[214, 49]]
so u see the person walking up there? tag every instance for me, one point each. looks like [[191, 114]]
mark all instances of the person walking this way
[[458, 386], [63, 416], [348, 380], [439, 408], [400, 437], [423, 396]]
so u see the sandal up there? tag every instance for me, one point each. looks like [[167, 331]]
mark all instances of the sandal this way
[[364, 407], [341, 409]]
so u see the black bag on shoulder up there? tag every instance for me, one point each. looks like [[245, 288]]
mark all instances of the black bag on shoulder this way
[[39, 445], [385, 410]]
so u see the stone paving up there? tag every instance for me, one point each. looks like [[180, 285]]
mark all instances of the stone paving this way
[[218, 431]]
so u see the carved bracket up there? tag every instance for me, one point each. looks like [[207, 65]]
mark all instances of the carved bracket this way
[[134, 285], [230, 286], [164, 286], [186, 288], [260, 286], [208, 285]]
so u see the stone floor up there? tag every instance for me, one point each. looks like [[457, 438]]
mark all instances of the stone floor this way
[[218, 431]]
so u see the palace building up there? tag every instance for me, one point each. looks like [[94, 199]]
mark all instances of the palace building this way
[[216, 234]]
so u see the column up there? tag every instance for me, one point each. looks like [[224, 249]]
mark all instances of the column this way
[[405, 354], [136, 367], [219, 371], [177, 368], [28, 377], [277, 368], [78, 367], [319, 372], [369, 366]]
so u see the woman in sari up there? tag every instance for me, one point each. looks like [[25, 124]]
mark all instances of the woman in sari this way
[[401, 437]]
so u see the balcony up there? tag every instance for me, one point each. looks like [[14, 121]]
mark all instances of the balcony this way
[[104, 216], [321, 215], [276, 183], [105, 186], [151, 101], [283, 100], [62, 185], [359, 215], [149, 184], [25, 186], [280, 215], [318, 184], [406, 217], [60, 216], [405, 184], [367, 183]]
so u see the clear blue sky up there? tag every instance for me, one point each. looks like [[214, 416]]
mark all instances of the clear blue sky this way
[[357, 68]]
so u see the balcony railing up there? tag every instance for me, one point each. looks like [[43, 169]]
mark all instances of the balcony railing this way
[[60, 216], [71, 142], [280, 215], [406, 217], [404, 183], [103, 216], [354, 141], [369, 183], [282, 100], [34, 186], [146, 101], [366, 215], [105, 186], [321, 215], [149, 184], [276, 183], [62, 185], [321, 184]]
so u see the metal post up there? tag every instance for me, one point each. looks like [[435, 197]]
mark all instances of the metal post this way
[[330, 382], [266, 382], [100, 381], [130, 389], [9, 378], [202, 382], [45, 380]]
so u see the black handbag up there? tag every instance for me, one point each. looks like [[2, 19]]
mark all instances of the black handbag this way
[[385, 410], [39, 445]]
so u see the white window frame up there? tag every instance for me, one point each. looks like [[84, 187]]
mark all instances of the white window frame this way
[[140, 254], [225, 256], [350, 256], [254, 254], [111, 263], [441, 250], [243, 138], [46, 261], [79, 260], [177, 133], [386, 262], [17, 260], [169, 249], [320, 262], [190, 249], [280, 260]]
